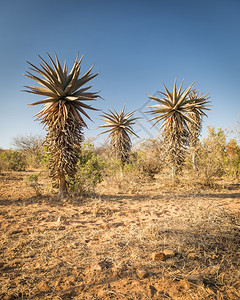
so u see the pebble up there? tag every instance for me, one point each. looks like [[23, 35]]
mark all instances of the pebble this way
[[195, 278], [142, 273], [169, 253], [158, 256]]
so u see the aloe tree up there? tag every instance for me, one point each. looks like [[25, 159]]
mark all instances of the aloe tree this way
[[175, 110], [62, 113], [195, 127], [120, 126]]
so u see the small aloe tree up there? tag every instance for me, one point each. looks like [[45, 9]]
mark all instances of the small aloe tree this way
[[120, 126], [62, 114], [175, 109]]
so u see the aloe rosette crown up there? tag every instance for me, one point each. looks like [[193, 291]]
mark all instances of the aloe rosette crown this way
[[63, 112], [177, 109], [120, 126]]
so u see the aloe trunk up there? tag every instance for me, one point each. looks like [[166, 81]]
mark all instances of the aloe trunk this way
[[62, 192]]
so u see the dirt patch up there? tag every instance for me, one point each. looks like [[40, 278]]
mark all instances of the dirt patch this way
[[102, 247]]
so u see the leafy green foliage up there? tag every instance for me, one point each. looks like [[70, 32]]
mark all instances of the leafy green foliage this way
[[12, 161], [90, 169], [233, 159], [46, 156], [32, 181], [216, 158], [211, 155]]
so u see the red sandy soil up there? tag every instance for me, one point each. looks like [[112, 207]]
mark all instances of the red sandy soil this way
[[102, 246]]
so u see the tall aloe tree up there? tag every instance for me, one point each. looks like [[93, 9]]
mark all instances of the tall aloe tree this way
[[175, 110], [120, 126], [62, 113], [195, 127]]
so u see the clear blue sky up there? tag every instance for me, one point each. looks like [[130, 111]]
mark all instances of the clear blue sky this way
[[135, 45]]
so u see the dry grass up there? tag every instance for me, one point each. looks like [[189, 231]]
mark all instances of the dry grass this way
[[91, 248]]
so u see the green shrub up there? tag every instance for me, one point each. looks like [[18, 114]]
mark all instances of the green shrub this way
[[113, 166], [32, 181], [232, 161], [215, 157], [90, 171], [12, 161], [45, 157]]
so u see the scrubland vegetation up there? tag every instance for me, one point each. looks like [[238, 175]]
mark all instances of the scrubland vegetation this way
[[216, 157], [99, 241]]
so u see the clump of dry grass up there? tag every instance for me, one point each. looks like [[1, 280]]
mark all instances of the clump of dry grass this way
[[121, 183]]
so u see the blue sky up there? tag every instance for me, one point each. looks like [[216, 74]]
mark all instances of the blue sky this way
[[135, 45]]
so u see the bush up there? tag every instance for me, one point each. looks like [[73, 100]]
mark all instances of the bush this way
[[90, 171], [232, 162], [150, 157], [12, 161], [32, 181], [215, 157], [211, 156], [45, 157], [32, 148]]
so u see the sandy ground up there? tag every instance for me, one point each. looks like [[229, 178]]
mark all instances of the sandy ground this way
[[109, 245]]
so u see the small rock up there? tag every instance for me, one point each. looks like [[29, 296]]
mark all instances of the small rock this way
[[43, 287], [195, 278], [16, 231], [68, 294], [142, 273], [119, 270], [152, 290], [117, 224], [158, 256], [212, 270], [97, 268], [61, 228], [169, 253]]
